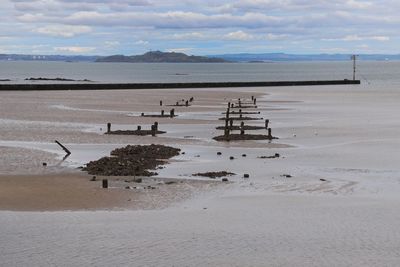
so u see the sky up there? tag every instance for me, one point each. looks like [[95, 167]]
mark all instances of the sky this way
[[107, 27]]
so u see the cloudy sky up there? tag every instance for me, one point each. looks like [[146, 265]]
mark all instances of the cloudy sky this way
[[104, 27]]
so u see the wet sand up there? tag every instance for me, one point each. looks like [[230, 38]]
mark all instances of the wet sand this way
[[339, 207]]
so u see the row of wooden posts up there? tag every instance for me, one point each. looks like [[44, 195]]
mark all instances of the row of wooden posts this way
[[177, 103], [229, 121], [154, 128], [171, 113]]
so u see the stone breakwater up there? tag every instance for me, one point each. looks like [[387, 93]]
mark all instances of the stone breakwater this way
[[118, 86]]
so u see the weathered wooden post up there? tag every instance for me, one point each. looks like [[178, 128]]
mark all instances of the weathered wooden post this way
[[252, 97], [160, 102], [109, 127], [232, 105], [240, 115], [156, 126], [187, 103], [162, 113], [172, 113], [255, 101], [153, 130], [240, 103], [242, 128], [191, 99], [229, 104], [269, 133], [266, 124], [227, 113], [105, 183], [231, 123], [139, 128], [142, 114], [226, 123], [177, 104], [240, 111]]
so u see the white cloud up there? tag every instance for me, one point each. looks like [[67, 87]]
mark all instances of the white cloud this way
[[141, 42], [111, 44], [355, 37], [74, 49], [189, 36], [238, 36], [63, 30], [185, 50]]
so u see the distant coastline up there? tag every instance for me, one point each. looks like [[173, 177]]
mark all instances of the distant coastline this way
[[173, 57]]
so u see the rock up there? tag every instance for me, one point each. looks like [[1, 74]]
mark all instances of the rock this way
[[214, 175], [231, 158], [138, 180], [286, 175], [244, 155], [219, 153], [44, 164], [225, 180], [323, 180], [246, 175]]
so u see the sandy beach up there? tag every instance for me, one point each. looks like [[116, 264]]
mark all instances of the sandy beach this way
[[330, 199]]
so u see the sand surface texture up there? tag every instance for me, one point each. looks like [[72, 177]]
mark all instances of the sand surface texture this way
[[330, 199]]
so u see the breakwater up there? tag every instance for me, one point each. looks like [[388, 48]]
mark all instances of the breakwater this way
[[119, 86]]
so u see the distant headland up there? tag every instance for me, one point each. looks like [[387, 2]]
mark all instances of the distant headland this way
[[161, 57]]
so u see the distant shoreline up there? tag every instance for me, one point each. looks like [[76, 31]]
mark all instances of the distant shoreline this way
[[123, 86]]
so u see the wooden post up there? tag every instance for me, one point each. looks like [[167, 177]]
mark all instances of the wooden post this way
[[156, 126], [227, 113], [109, 127], [160, 102], [64, 148], [162, 112], [187, 103], [242, 128], [177, 104], [226, 123], [266, 124], [191, 99], [105, 183], [142, 114], [255, 101], [153, 130], [240, 103], [231, 123], [240, 111], [229, 104], [232, 105], [139, 128], [172, 113], [240, 115], [269, 133], [252, 97]]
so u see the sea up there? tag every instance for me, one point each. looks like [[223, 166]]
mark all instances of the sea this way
[[376, 72]]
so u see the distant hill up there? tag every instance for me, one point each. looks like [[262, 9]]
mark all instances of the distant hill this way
[[276, 57], [161, 57]]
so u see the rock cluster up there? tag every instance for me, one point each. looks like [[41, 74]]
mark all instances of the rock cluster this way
[[132, 160]]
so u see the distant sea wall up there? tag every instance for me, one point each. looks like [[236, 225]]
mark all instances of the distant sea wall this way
[[120, 86]]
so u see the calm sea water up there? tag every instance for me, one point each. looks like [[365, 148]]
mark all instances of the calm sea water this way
[[387, 72]]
